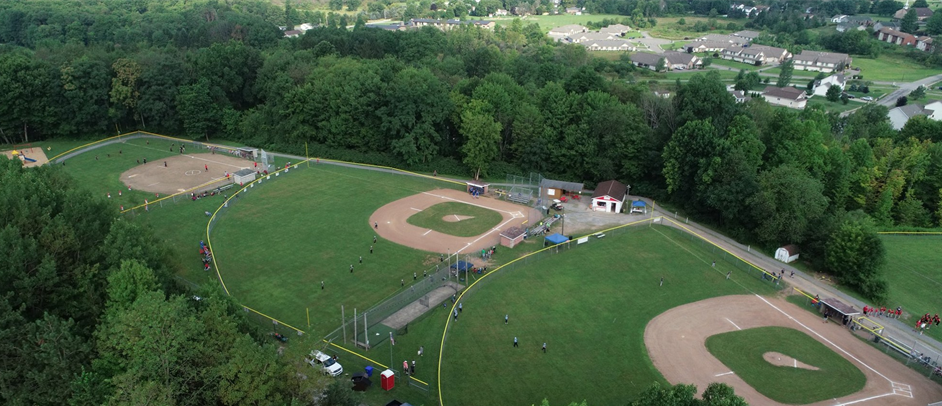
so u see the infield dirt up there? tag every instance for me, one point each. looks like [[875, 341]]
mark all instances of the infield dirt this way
[[679, 352], [182, 172], [392, 225]]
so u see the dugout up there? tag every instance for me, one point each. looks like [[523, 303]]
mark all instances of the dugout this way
[[248, 153], [838, 310], [243, 176], [512, 236], [476, 188]]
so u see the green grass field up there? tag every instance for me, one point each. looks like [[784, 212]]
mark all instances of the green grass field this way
[[837, 107], [668, 28], [548, 22], [742, 352], [275, 246], [892, 68], [735, 65], [433, 217], [591, 305], [915, 278]]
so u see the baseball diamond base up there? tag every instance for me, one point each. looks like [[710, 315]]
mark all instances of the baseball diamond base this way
[[392, 225], [678, 350]]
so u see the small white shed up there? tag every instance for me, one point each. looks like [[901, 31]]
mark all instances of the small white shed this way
[[243, 176], [787, 253], [609, 196]]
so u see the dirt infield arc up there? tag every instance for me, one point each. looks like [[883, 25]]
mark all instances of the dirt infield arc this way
[[182, 172], [391, 219], [679, 352]]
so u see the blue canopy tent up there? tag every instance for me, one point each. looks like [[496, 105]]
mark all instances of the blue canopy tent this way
[[639, 206], [462, 266], [554, 239]]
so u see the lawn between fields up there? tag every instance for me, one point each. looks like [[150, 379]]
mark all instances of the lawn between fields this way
[[590, 305], [458, 219], [742, 351], [914, 276]]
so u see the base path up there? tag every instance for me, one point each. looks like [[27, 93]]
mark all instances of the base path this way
[[678, 350], [391, 219], [182, 172]]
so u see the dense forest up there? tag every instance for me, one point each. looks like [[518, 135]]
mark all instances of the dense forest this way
[[467, 102]]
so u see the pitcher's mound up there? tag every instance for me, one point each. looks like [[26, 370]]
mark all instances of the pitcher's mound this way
[[454, 218], [782, 360]]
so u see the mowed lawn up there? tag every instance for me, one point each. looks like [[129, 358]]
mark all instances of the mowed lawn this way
[[276, 245], [892, 68], [915, 276], [590, 305], [548, 22], [742, 351], [434, 217]]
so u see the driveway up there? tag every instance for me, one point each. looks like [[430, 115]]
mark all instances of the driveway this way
[[653, 44]]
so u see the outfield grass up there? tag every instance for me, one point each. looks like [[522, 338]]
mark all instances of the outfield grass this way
[[892, 68], [433, 218], [275, 246], [590, 305], [914, 276], [742, 352]]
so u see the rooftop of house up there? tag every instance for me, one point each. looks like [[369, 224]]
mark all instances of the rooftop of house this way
[[790, 93]]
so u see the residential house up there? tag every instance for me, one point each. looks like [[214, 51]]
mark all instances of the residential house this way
[[574, 10], [785, 96], [922, 13], [648, 60], [756, 55], [924, 44], [895, 37], [566, 31], [888, 24], [935, 107], [739, 95], [608, 45], [615, 29], [854, 23], [748, 9], [708, 46], [446, 25], [816, 61], [389, 27], [821, 86], [664, 94], [292, 33], [590, 36], [900, 115], [500, 12], [747, 35], [682, 60], [724, 38]]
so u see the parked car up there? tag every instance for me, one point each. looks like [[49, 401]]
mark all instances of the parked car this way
[[850, 96], [866, 98], [327, 364]]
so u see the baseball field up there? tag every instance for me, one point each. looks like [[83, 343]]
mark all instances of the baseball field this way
[[616, 314]]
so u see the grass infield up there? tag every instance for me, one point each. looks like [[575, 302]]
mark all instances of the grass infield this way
[[590, 305], [434, 217], [742, 352]]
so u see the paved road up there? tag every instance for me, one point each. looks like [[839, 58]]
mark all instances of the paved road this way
[[893, 328], [653, 44], [904, 89]]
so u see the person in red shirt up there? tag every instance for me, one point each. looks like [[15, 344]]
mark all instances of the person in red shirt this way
[[865, 309]]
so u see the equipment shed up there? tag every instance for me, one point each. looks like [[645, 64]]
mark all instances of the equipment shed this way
[[609, 196], [512, 236], [243, 176], [787, 253], [555, 189]]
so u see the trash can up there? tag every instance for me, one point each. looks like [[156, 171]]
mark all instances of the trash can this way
[[369, 371], [387, 379]]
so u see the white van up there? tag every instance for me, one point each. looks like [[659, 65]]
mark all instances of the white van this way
[[325, 363]]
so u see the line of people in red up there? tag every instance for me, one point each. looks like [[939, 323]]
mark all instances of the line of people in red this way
[[883, 311]]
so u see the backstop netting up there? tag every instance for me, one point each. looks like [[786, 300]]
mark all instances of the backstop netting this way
[[266, 160]]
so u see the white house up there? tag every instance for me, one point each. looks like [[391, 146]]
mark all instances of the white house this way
[[559, 33], [609, 196], [821, 86], [838, 19], [785, 96], [616, 29], [900, 115], [935, 108], [608, 45], [787, 253]]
